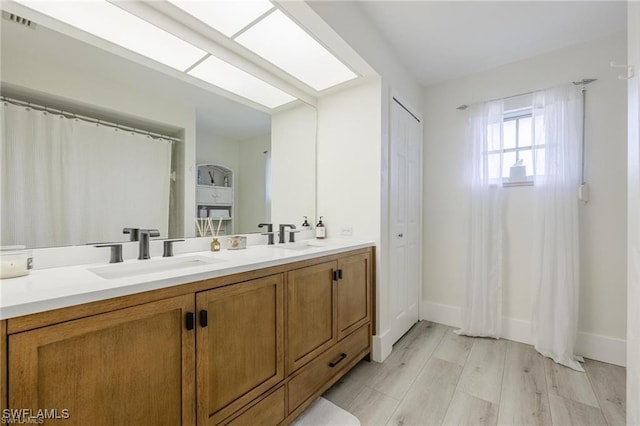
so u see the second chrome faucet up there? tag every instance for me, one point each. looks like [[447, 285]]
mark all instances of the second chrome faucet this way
[[292, 237], [142, 235], [281, 233]]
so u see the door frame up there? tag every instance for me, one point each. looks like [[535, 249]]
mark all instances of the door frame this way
[[382, 342]]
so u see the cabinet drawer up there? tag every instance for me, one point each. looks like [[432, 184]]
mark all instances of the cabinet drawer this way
[[214, 195], [269, 411], [319, 371]]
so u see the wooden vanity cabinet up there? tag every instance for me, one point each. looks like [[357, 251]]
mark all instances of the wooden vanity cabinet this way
[[252, 348], [326, 302], [3, 365], [353, 293], [240, 345], [130, 366], [311, 313], [328, 324]]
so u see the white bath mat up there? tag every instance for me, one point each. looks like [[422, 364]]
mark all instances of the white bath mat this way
[[325, 413]]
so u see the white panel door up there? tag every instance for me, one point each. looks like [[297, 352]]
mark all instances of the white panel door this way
[[405, 183]]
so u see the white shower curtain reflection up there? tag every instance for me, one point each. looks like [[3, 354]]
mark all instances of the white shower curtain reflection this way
[[556, 248], [67, 181], [482, 313]]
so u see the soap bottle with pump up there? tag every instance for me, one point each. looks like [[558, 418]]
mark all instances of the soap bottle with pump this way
[[321, 230], [305, 225]]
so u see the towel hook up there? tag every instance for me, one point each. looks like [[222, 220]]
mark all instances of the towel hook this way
[[630, 71]]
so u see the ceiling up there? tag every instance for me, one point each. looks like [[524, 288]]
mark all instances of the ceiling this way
[[434, 40], [443, 40]]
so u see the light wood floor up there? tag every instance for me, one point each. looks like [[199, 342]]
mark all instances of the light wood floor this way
[[436, 377]]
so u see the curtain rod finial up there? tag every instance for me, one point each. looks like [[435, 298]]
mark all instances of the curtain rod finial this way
[[463, 107], [584, 81]]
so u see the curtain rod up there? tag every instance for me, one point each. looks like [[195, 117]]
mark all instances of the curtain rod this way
[[582, 82], [92, 120]]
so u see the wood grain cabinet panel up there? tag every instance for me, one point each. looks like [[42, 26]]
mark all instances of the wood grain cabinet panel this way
[[131, 366], [269, 411], [3, 365], [354, 288], [240, 350], [317, 373], [311, 316]]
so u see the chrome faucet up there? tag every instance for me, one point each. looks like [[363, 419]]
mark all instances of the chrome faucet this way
[[144, 235], [134, 233], [281, 235], [269, 232]]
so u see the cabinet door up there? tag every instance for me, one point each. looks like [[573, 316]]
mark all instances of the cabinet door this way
[[311, 317], [240, 347], [354, 287], [131, 366]]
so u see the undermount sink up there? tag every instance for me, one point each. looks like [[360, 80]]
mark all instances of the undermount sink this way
[[301, 245], [141, 267]]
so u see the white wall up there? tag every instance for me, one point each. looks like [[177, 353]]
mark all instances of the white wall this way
[[46, 78], [293, 165], [349, 161], [349, 21], [633, 248], [603, 230], [211, 148], [251, 184], [349, 172]]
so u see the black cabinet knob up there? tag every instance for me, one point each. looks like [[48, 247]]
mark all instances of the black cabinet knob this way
[[204, 318]]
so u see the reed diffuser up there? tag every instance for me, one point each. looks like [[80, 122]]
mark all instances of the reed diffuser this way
[[215, 244]]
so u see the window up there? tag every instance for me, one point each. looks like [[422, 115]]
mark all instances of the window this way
[[522, 143]]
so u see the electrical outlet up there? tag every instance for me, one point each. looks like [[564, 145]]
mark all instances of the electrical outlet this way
[[346, 231]]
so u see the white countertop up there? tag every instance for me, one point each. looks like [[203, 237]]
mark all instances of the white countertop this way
[[47, 289]]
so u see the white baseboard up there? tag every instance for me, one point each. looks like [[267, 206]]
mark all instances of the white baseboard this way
[[382, 346], [601, 348]]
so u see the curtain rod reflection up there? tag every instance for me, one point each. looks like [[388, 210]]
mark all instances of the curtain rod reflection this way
[[92, 120]]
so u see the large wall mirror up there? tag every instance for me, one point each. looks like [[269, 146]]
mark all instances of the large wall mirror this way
[[66, 183]]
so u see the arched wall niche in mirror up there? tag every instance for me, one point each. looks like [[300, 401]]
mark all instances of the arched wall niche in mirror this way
[[52, 69]]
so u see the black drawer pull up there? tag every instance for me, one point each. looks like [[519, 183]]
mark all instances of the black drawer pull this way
[[204, 319], [335, 275], [191, 320], [339, 274], [338, 360]]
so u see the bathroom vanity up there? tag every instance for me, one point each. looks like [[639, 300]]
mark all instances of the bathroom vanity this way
[[251, 339]]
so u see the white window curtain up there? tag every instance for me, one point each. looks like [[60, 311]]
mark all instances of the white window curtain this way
[[67, 181], [482, 313], [558, 114]]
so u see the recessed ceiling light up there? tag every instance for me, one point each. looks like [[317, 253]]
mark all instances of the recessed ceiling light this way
[[224, 75], [282, 42], [226, 16], [113, 24]]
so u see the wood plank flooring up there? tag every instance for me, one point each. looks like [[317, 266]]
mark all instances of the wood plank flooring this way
[[435, 377]]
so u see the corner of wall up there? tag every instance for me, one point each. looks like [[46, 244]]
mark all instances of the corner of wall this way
[[382, 346]]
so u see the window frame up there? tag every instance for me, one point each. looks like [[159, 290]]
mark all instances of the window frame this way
[[517, 115]]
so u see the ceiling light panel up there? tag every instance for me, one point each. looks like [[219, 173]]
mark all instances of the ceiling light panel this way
[[282, 42], [224, 75], [117, 26], [226, 16]]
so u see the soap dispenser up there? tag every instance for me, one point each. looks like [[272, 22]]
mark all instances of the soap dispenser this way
[[321, 231], [305, 225]]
